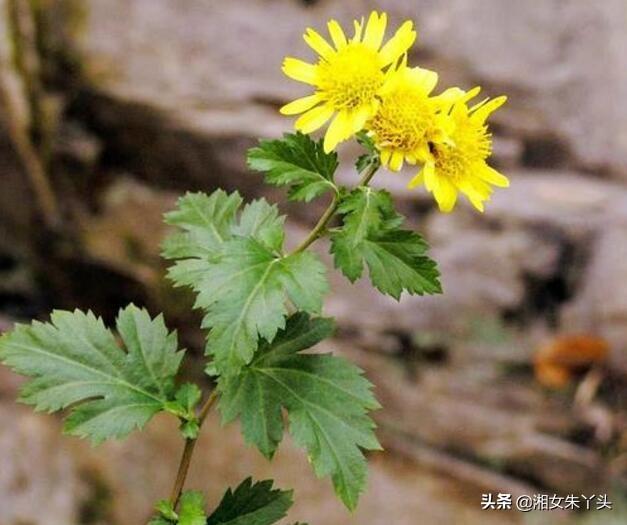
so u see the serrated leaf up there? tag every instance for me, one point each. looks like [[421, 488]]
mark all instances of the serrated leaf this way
[[366, 211], [261, 221], [252, 504], [205, 221], [192, 509], [326, 397], [188, 396], [242, 279], [397, 259], [183, 406], [397, 262], [371, 157], [158, 520], [74, 360], [244, 294], [166, 510], [296, 161]]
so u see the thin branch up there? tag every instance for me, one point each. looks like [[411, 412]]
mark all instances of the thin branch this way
[[188, 451], [330, 212]]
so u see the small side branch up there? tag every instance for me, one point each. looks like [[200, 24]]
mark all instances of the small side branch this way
[[188, 451]]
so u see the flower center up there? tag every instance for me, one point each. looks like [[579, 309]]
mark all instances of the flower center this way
[[471, 144], [403, 120], [351, 77]]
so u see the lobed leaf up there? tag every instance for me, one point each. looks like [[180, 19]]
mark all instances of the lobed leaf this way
[[192, 509], [242, 279], [371, 234], [252, 504], [326, 397], [371, 157], [296, 161], [75, 361]]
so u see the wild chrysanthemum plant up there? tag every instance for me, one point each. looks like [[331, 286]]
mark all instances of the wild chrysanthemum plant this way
[[262, 302]]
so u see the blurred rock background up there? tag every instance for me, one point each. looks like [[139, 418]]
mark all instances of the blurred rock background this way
[[512, 381]]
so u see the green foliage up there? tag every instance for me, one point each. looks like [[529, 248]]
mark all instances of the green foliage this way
[[371, 157], [252, 504], [242, 279], [205, 220], [191, 511], [326, 398], [371, 233], [75, 360], [296, 161], [184, 405]]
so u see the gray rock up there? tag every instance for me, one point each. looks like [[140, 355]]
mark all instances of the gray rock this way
[[549, 57], [39, 479]]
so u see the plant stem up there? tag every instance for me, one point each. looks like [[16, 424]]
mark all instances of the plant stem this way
[[188, 451], [330, 212]]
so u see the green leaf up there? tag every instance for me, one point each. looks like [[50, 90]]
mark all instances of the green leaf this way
[[75, 361], [192, 509], [397, 262], [205, 221], [326, 397], [244, 294], [371, 157], [296, 161], [397, 259], [188, 396], [166, 510], [242, 279], [158, 520], [183, 406], [252, 504]]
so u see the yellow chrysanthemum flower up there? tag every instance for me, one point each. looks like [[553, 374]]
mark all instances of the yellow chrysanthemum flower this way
[[409, 118], [347, 77], [459, 163]]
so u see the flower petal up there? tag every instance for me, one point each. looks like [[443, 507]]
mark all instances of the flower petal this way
[[337, 34], [398, 44], [317, 43], [299, 70], [385, 157], [339, 130], [446, 195], [492, 176], [373, 37], [359, 117], [396, 161], [359, 28], [314, 119], [417, 180], [300, 105], [482, 113], [424, 79], [430, 178]]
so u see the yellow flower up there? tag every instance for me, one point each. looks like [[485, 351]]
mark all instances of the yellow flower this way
[[347, 77], [459, 163], [408, 118]]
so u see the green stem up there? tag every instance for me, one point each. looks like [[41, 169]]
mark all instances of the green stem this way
[[188, 451], [330, 212]]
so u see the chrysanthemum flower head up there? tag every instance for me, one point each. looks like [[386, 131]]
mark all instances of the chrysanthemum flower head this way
[[408, 117], [459, 163], [347, 77]]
